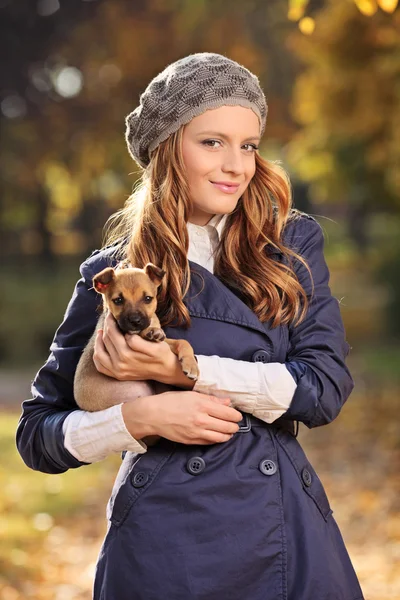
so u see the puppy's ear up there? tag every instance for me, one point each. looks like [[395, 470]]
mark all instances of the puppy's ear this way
[[155, 273], [102, 280]]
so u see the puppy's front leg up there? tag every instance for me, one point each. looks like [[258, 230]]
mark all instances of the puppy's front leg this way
[[184, 352], [153, 334]]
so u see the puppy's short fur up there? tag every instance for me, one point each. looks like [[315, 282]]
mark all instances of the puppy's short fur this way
[[129, 294]]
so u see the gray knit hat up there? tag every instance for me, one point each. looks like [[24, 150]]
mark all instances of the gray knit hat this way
[[185, 89]]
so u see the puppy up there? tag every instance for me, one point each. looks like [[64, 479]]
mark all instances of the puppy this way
[[129, 294]]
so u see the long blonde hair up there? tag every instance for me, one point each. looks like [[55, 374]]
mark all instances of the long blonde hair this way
[[151, 227]]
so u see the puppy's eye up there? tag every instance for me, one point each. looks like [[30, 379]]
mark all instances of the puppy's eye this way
[[118, 301], [148, 299]]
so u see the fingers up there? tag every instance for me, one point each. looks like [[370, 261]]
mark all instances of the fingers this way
[[220, 400], [221, 411], [137, 343], [221, 421], [107, 347], [211, 437], [113, 339], [101, 358], [221, 426]]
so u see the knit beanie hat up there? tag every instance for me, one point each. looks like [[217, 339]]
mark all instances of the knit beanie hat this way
[[185, 89]]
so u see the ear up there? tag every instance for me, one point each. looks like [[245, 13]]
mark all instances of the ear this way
[[155, 273], [102, 280]]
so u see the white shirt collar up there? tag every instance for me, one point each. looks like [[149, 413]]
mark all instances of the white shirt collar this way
[[216, 223]]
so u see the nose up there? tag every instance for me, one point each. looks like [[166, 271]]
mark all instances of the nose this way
[[233, 161], [135, 320]]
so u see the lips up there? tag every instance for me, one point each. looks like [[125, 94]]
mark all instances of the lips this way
[[225, 187]]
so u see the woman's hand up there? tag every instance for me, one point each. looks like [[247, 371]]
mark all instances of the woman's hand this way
[[130, 357], [186, 417]]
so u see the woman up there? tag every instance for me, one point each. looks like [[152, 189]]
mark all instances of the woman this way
[[225, 505]]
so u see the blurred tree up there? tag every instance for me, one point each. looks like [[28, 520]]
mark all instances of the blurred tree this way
[[28, 35], [347, 102], [64, 100], [75, 68], [387, 273], [298, 8], [82, 66]]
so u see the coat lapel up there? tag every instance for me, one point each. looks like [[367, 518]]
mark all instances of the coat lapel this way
[[209, 298]]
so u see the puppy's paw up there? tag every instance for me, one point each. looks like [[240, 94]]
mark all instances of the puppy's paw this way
[[155, 334], [190, 368]]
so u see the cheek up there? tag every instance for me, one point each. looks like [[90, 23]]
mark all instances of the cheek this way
[[115, 310], [251, 171], [198, 164]]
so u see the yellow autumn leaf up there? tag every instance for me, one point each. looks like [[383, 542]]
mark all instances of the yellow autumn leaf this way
[[307, 25], [388, 6], [296, 9], [367, 7]]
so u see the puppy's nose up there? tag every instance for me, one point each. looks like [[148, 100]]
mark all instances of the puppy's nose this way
[[135, 320]]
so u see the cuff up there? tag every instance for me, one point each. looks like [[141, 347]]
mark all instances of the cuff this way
[[277, 391], [92, 436]]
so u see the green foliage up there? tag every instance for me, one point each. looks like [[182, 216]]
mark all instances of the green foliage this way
[[388, 274], [34, 300], [333, 114]]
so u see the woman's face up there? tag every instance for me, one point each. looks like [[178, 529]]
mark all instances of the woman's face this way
[[219, 146]]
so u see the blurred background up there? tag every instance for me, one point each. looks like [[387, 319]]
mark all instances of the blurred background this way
[[69, 73]]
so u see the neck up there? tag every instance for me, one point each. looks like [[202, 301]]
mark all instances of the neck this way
[[203, 220]]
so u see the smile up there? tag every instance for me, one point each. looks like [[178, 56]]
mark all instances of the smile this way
[[228, 189]]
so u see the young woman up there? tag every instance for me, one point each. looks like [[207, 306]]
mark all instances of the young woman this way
[[226, 505]]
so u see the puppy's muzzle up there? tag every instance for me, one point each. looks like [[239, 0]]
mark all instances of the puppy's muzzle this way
[[133, 323]]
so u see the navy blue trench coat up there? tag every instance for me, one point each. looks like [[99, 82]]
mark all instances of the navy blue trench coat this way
[[246, 519]]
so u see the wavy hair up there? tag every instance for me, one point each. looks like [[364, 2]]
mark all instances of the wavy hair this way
[[151, 227]]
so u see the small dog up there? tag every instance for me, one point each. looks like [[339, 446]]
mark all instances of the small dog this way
[[129, 294]]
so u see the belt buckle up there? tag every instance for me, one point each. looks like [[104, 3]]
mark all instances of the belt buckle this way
[[246, 424]]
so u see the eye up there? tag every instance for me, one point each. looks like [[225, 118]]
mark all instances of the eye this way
[[252, 146], [207, 142], [148, 299], [119, 300]]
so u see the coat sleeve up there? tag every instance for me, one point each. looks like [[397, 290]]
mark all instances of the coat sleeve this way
[[39, 436], [317, 346]]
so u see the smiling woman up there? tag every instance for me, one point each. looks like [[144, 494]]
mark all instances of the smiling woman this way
[[225, 504]]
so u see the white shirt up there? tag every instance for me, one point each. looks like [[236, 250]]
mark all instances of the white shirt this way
[[264, 390]]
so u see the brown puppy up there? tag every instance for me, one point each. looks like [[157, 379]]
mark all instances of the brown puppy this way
[[129, 294]]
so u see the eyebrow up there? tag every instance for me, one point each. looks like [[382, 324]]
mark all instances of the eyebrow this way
[[226, 137]]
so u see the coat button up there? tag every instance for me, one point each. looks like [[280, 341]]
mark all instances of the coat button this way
[[260, 356], [268, 467], [140, 479], [306, 477], [195, 465]]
